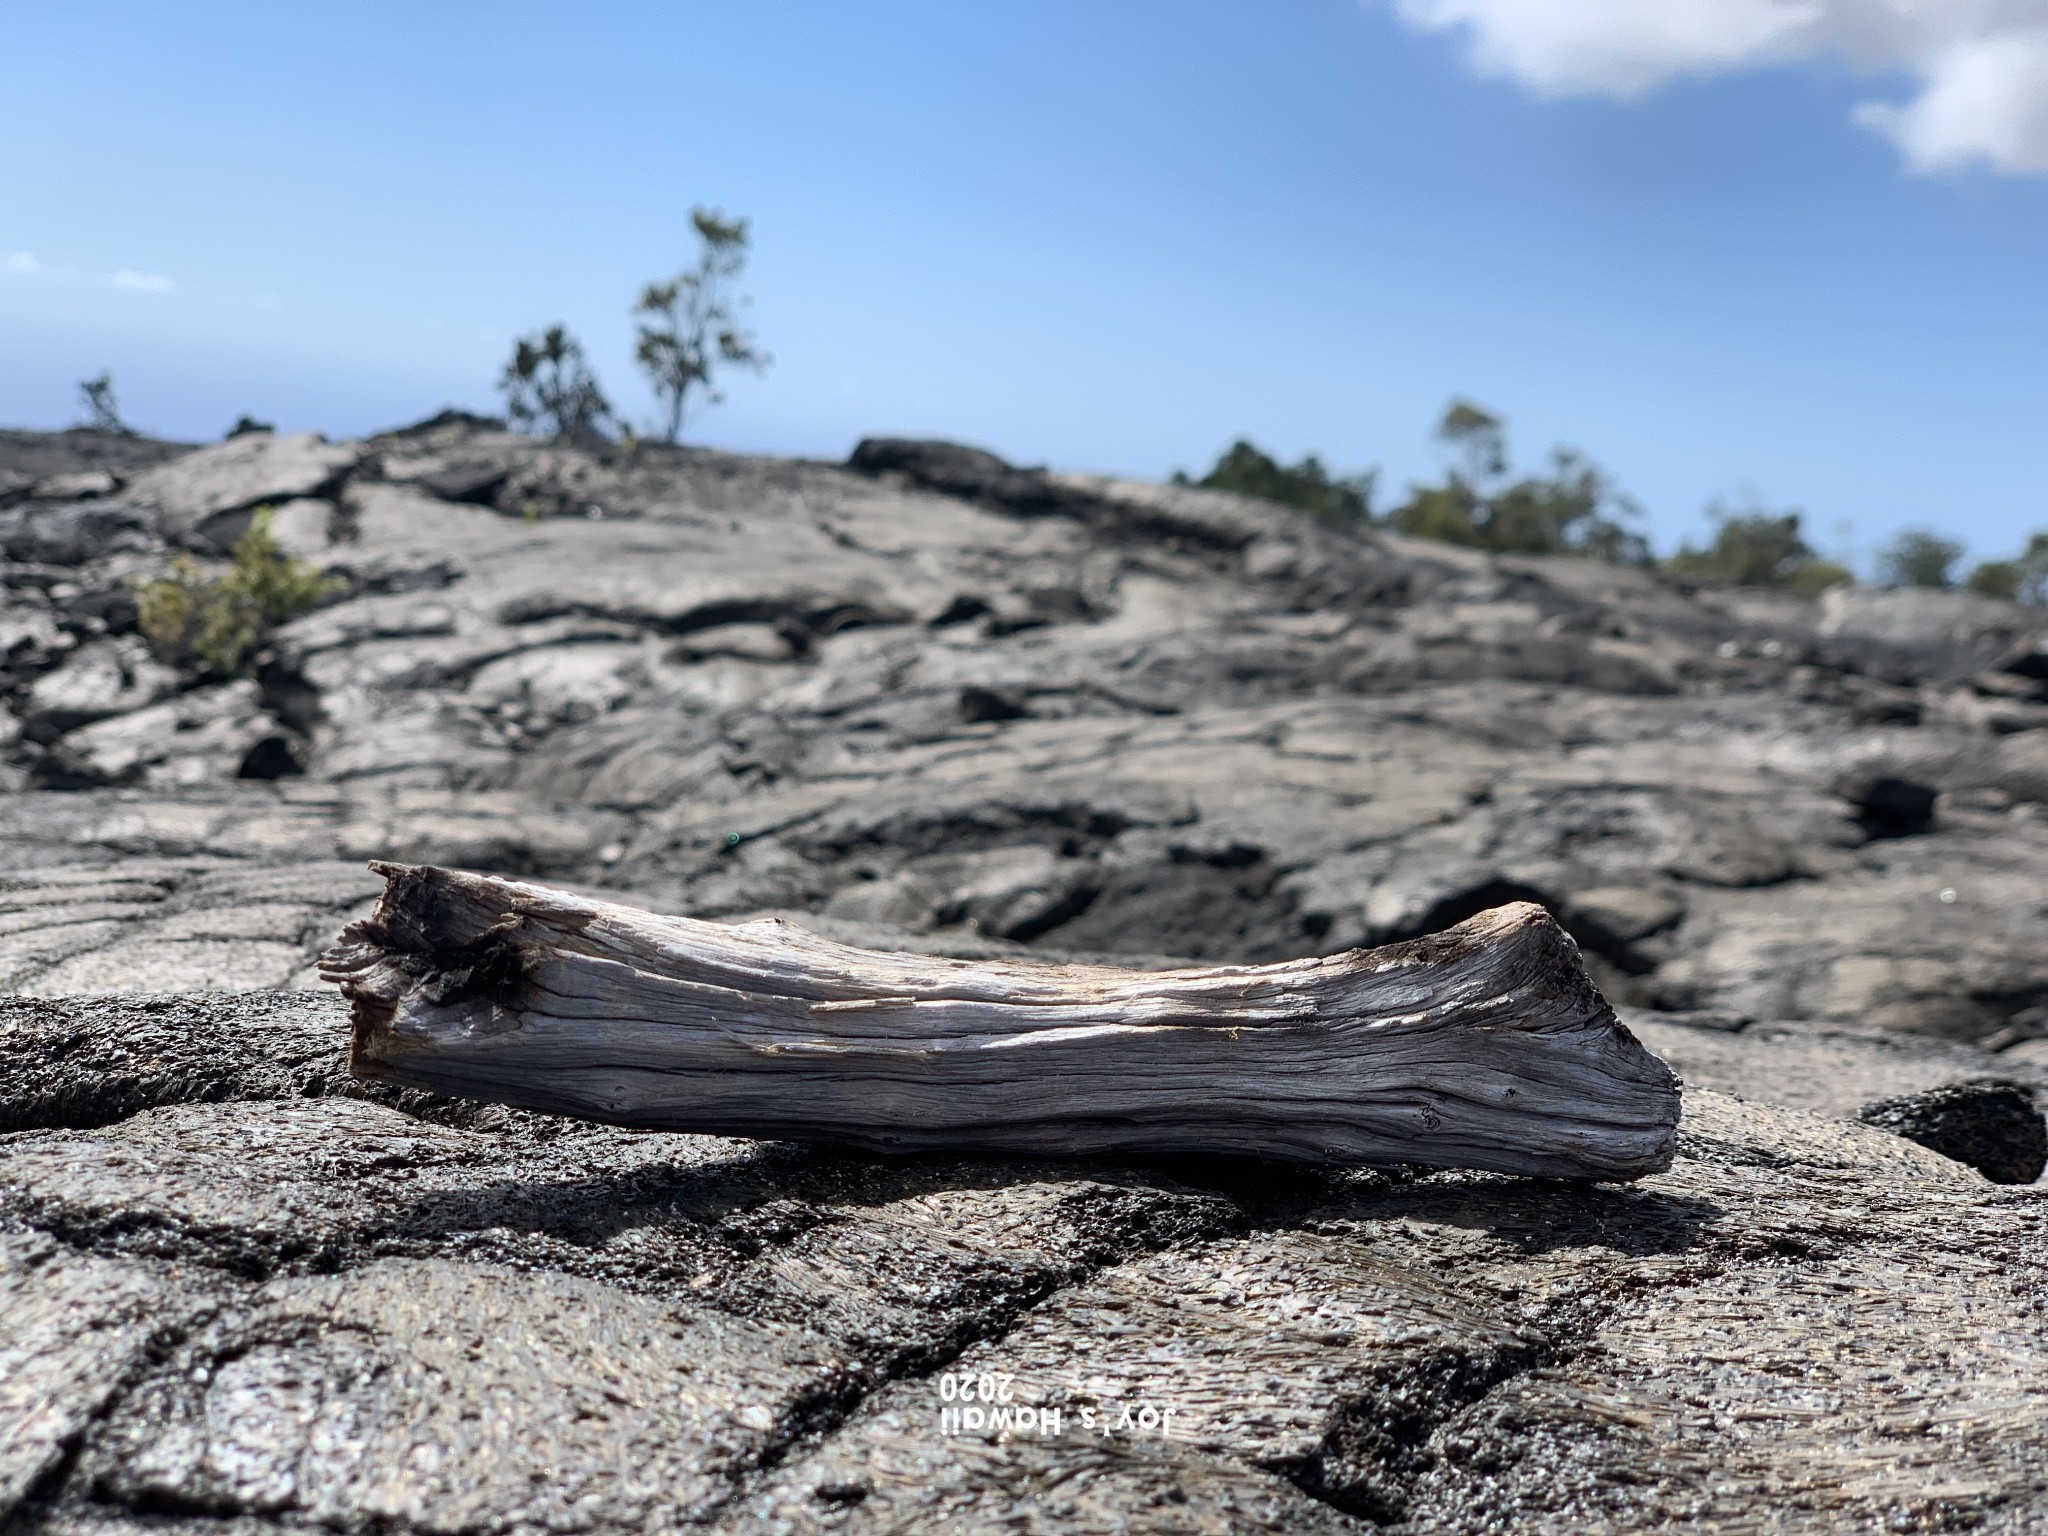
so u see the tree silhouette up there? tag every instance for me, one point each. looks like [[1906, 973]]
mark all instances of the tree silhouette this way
[[550, 390], [102, 409], [1919, 557], [1574, 510], [1757, 547], [2023, 579], [690, 325], [1342, 501]]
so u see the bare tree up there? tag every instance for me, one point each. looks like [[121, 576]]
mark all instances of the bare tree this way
[[690, 326], [102, 409], [550, 390]]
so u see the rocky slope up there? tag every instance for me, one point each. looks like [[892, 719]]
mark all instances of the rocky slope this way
[[928, 700], [971, 701]]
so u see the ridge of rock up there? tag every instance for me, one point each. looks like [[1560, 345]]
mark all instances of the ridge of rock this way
[[933, 701], [953, 697]]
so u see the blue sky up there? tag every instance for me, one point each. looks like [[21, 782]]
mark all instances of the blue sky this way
[[1109, 235]]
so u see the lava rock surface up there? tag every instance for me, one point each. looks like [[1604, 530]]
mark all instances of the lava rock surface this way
[[930, 700], [240, 1291], [936, 694]]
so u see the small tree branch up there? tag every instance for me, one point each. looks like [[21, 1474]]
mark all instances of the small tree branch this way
[[1483, 1047]]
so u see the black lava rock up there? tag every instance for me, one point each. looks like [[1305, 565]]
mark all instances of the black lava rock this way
[[1990, 1124], [970, 473], [1892, 807]]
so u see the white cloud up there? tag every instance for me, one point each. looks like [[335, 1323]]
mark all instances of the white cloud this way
[[22, 264], [1979, 67]]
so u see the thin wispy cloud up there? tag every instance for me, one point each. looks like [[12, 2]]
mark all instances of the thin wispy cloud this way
[[1979, 68], [128, 279]]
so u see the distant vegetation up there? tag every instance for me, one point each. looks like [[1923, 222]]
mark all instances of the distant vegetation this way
[[102, 409], [2022, 579], [1759, 548], [1918, 557], [219, 621], [688, 333], [1574, 508], [1339, 501]]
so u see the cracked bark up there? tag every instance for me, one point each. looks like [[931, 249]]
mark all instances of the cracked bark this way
[[1486, 1046]]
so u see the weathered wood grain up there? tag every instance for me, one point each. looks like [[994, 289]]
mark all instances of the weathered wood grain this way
[[1483, 1047]]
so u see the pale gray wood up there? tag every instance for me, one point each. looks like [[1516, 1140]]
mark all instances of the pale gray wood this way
[[1483, 1047]]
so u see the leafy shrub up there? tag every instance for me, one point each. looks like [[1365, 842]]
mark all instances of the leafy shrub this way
[[1573, 510], [1995, 578], [1342, 502], [2023, 579], [219, 621], [1759, 549], [1918, 557], [551, 392]]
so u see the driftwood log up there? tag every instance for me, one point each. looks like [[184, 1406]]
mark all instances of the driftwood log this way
[[1482, 1047]]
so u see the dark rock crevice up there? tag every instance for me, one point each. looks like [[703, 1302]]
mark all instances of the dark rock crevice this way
[[1380, 1442]]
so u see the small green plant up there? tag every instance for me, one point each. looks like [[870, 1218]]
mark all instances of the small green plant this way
[[1341, 501], [219, 621]]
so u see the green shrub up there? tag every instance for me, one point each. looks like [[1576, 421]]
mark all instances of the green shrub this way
[[1341, 501], [1995, 578], [1759, 549], [1919, 557], [219, 621], [2021, 580], [1816, 576], [550, 390]]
